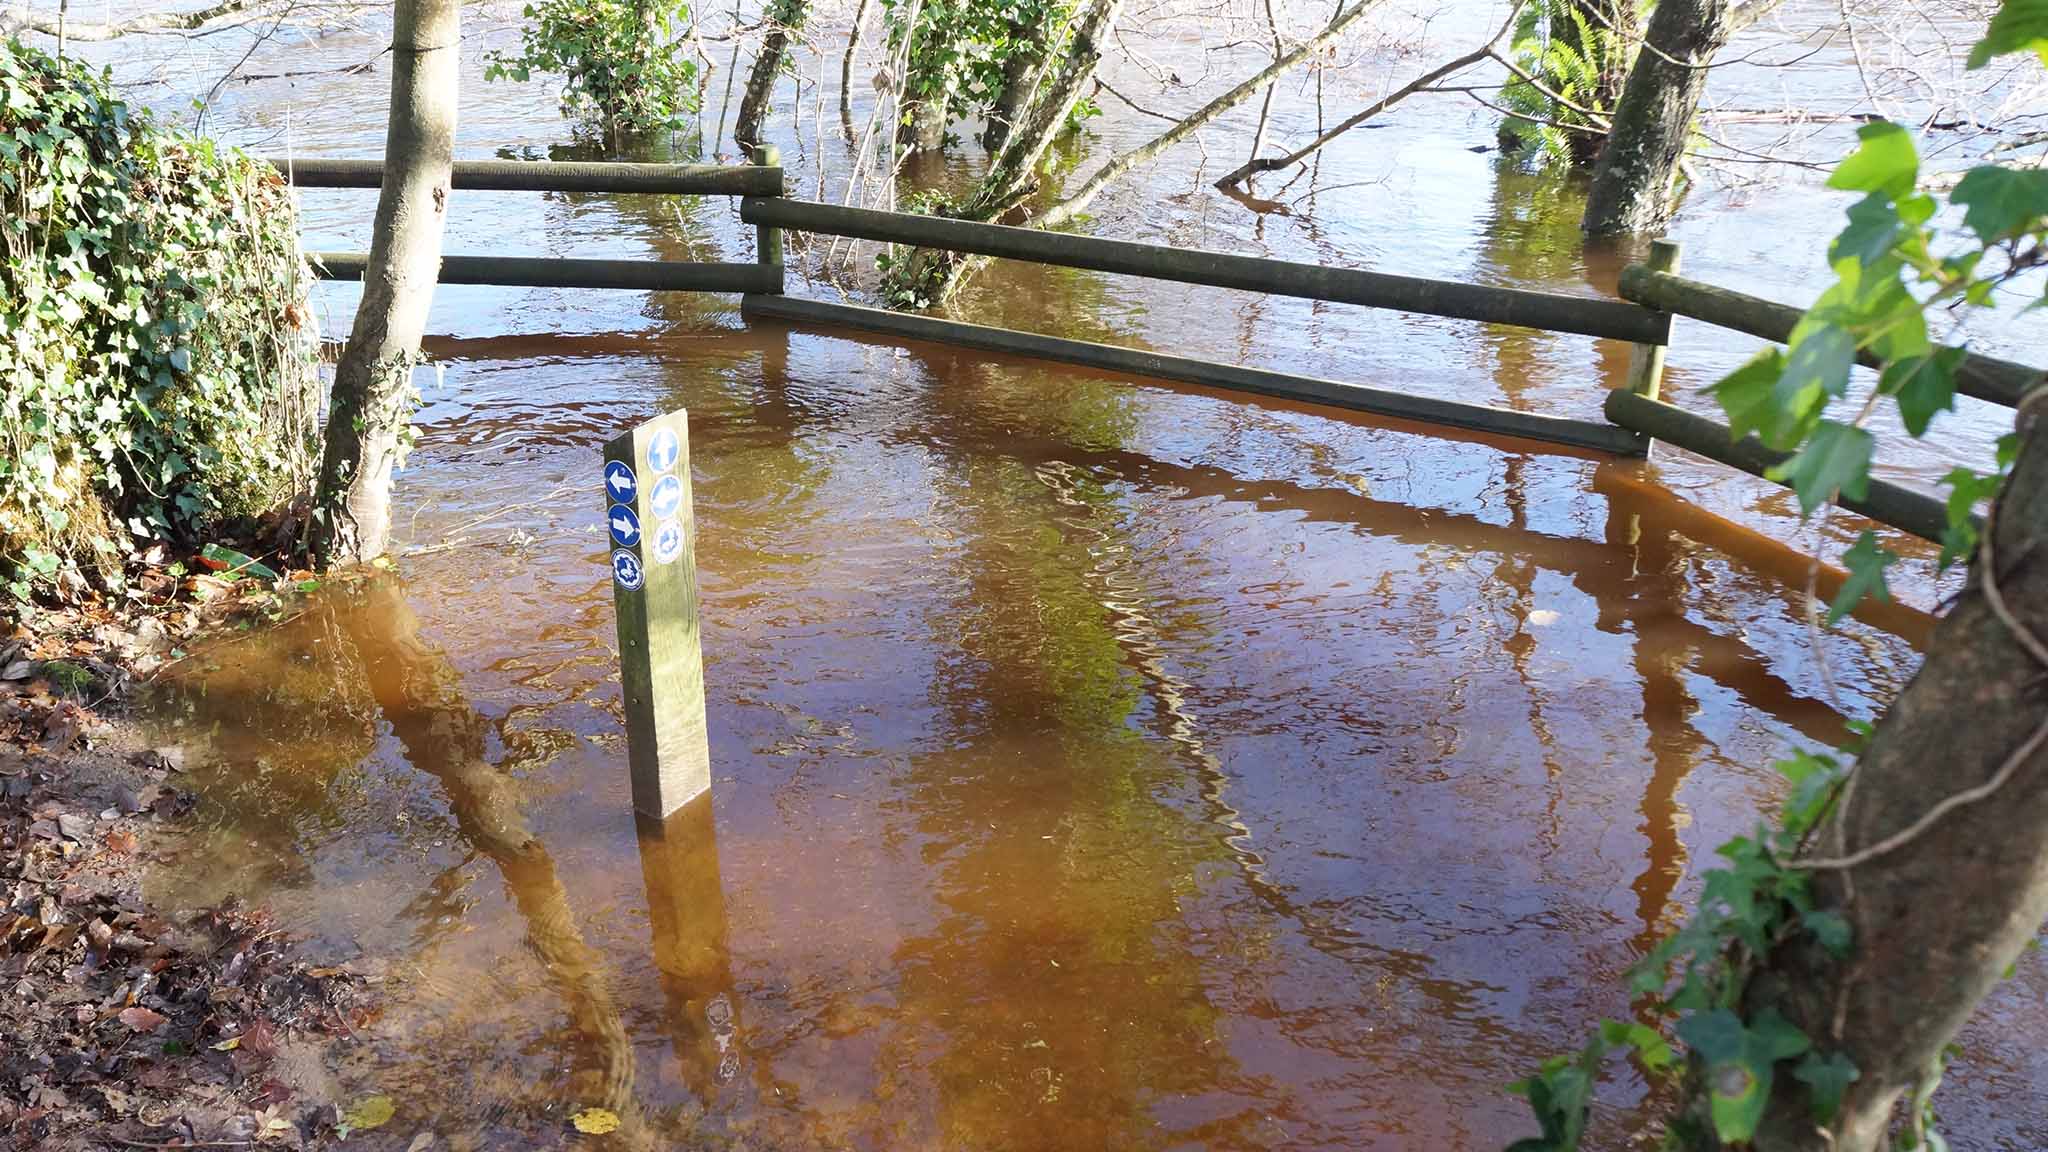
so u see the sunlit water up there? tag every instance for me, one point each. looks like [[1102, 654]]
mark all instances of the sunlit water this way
[[1097, 763]]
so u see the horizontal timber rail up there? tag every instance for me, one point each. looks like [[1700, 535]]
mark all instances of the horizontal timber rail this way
[[551, 176], [1612, 319], [1475, 417], [1985, 377], [1887, 503], [560, 272]]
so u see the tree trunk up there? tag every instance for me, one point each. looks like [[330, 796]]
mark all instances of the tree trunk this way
[[1021, 73], [860, 17], [1937, 914], [787, 16], [372, 399], [927, 275], [1638, 169]]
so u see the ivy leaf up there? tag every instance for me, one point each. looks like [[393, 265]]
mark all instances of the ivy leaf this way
[[1830, 930], [1649, 1045], [1740, 1062], [1745, 394], [1817, 368], [1885, 161], [1967, 489], [1923, 386], [1826, 1079], [1836, 459], [2001, 202], [1873, 225], [2019, 26], [1866, 562]]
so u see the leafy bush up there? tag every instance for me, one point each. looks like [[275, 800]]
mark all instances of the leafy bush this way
[[620, 60], [157, 356]]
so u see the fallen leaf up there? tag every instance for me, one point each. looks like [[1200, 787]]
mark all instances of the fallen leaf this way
[[229, 1044], [371, 1112], [595, 1121], [421, 1142], [141, 1019]]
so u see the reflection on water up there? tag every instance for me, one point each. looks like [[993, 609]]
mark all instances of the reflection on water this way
[[1095, 765]]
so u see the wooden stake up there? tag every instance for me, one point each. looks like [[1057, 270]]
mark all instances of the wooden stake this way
[[768, 237], [652, 532], [1646, 361]]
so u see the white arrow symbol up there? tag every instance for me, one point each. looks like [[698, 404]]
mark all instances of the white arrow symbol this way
[[624, 526], [620, 484]]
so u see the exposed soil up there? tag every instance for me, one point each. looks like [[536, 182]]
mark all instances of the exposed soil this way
[[128, 1024]]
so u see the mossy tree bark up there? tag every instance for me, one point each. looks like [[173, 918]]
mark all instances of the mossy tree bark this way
[[372, 399], [786, 17], [1937, 854], [1635, 178]]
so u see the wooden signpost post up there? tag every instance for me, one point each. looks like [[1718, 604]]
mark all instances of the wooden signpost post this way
[[652, 532]]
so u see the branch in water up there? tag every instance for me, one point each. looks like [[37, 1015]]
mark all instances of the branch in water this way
[[1420, 83], [151, 22], [1068, 208]]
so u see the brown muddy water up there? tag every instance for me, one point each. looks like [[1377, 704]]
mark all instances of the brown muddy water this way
[[1098, 763]]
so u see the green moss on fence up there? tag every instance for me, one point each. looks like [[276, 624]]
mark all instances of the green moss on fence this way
[[157, 352]]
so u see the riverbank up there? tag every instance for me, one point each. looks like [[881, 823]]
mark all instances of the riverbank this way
[[136, 1022]]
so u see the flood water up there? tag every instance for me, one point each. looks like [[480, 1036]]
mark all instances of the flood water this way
[[1098, 763]]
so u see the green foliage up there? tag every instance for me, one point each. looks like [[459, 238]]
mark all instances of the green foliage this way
[[1572, 55], [622, 62], [1891, 267], [963, 49], [157, 374], [2018, 26]]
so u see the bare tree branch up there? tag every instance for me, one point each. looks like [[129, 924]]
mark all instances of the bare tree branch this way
[[149, 22], [1420, 83], [1066, 209]]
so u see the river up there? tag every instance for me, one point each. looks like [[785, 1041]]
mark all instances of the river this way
[[1098, 762]]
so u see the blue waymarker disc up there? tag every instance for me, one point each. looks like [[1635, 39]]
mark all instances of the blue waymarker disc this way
[[626, 570], [664, 451], [668, 541], [625, 526], [666, 498], [619, 482]]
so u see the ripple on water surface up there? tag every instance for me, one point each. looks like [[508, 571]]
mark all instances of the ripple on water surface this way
[[1096, 765]]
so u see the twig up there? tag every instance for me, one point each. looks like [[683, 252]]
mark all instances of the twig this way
[[1419, 84]]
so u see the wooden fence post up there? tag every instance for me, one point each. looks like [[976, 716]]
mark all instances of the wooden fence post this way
[[652, 533], [1646, 361], [768, 237]]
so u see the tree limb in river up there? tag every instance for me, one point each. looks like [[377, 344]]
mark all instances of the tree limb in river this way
[[785, 17], [148, 22], [1420, 84], [1072, 206]]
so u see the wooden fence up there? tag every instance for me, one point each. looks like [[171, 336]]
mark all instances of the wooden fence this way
[[1635, 415]]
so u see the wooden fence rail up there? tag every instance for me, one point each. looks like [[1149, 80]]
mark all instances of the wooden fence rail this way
[[1589, 316], [1591, 434], [551, 176], [561, 272], [1985, 377], [1887, 503]]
